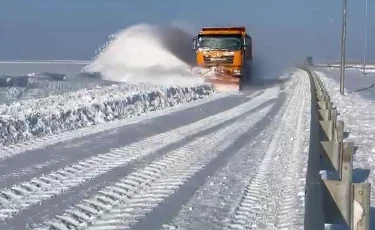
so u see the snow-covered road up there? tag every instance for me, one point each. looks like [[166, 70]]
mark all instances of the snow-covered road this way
[[262, 185], [197, 165], [136, 139]]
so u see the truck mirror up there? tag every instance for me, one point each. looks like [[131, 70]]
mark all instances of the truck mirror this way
[[194, 43], [244, 42]]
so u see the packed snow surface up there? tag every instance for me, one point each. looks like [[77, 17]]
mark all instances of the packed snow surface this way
[[262, 187], [237, 161]]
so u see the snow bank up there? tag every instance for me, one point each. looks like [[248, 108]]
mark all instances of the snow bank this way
[[25, 120], [358, 115], [150, 54]]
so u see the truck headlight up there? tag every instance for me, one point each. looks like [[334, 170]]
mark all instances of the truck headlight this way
[[237, 72]]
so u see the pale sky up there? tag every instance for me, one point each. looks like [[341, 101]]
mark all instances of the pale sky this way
[[71, 29]]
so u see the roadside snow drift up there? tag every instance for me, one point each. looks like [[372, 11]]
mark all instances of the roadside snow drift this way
[[39, 85], [20, 80], [149, 54], [26, 120]]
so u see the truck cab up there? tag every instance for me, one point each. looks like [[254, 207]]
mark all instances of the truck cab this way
[[225, 48]]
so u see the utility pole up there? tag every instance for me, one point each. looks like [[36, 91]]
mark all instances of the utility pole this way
[[343, 40], [365, 42]]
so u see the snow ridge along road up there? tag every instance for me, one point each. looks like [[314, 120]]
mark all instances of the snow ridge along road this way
[[283, 164], [34, 118]]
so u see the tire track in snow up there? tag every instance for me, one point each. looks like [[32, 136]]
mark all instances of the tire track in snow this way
[[15, 149], [25, 171], [210, 204], [63, 154], [53, 207], [275, 180], [21, 196], [290, 213], [138, 193]]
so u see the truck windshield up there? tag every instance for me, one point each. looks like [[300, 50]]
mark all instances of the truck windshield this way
[[231, 42]]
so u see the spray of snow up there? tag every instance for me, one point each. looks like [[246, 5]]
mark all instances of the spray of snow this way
[[149, 54], [140, 54]]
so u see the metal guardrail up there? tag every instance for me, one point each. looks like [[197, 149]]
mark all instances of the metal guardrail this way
[[336, 200]]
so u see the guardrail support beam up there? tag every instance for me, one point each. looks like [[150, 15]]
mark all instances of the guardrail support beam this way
[[327, 130], [331, 156], [339, 131]]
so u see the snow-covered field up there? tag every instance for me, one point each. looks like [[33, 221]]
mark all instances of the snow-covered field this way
[[357, 108], [355, 82], [21, 80]]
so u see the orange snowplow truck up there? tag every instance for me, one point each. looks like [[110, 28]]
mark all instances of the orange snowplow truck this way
[[226, 50]]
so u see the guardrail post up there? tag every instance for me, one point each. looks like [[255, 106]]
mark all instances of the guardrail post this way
[[342, 201], [340, 131], [346, 169]]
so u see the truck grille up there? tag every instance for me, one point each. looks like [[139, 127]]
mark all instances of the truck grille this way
[[218, 60]]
